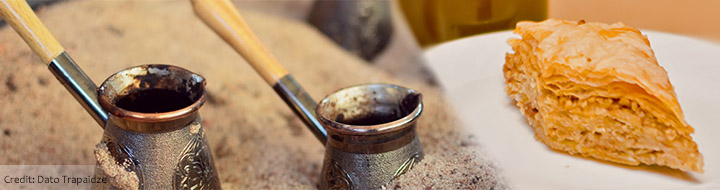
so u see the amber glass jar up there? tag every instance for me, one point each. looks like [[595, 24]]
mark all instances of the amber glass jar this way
[[435, 21]]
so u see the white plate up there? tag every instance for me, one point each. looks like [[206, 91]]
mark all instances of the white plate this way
[[470, 70]]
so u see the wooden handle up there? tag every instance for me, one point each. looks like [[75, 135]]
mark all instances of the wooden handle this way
[[21, 17], [222, 17]]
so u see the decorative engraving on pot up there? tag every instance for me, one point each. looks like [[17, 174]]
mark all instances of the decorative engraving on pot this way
[[195, 168], [124, 157], [407, 165], [336, 177]]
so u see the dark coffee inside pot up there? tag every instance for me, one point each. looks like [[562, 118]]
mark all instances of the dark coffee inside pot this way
[[383, 113], [369, 119], [154, 101]]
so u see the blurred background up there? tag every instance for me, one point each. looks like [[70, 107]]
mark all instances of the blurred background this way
[[391, 34]]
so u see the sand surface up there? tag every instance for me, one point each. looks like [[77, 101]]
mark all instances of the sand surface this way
[[257, 141]]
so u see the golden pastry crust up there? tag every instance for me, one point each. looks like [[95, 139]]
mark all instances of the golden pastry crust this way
[[597, 90]]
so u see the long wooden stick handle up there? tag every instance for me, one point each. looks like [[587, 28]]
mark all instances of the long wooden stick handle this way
[[20, 16], [222, 17]]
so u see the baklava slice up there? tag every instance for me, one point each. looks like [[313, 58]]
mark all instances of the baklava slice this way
[[596, 90]]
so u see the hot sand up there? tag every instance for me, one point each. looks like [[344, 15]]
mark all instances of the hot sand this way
[[257, 141]]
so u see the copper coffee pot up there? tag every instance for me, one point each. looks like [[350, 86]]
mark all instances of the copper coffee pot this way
[[146, 144], [368, 130]]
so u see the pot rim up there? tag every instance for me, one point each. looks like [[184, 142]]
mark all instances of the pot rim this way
[[108, 103], [382, 128]]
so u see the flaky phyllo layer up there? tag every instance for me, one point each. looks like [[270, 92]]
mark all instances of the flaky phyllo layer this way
[[596, 90]]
